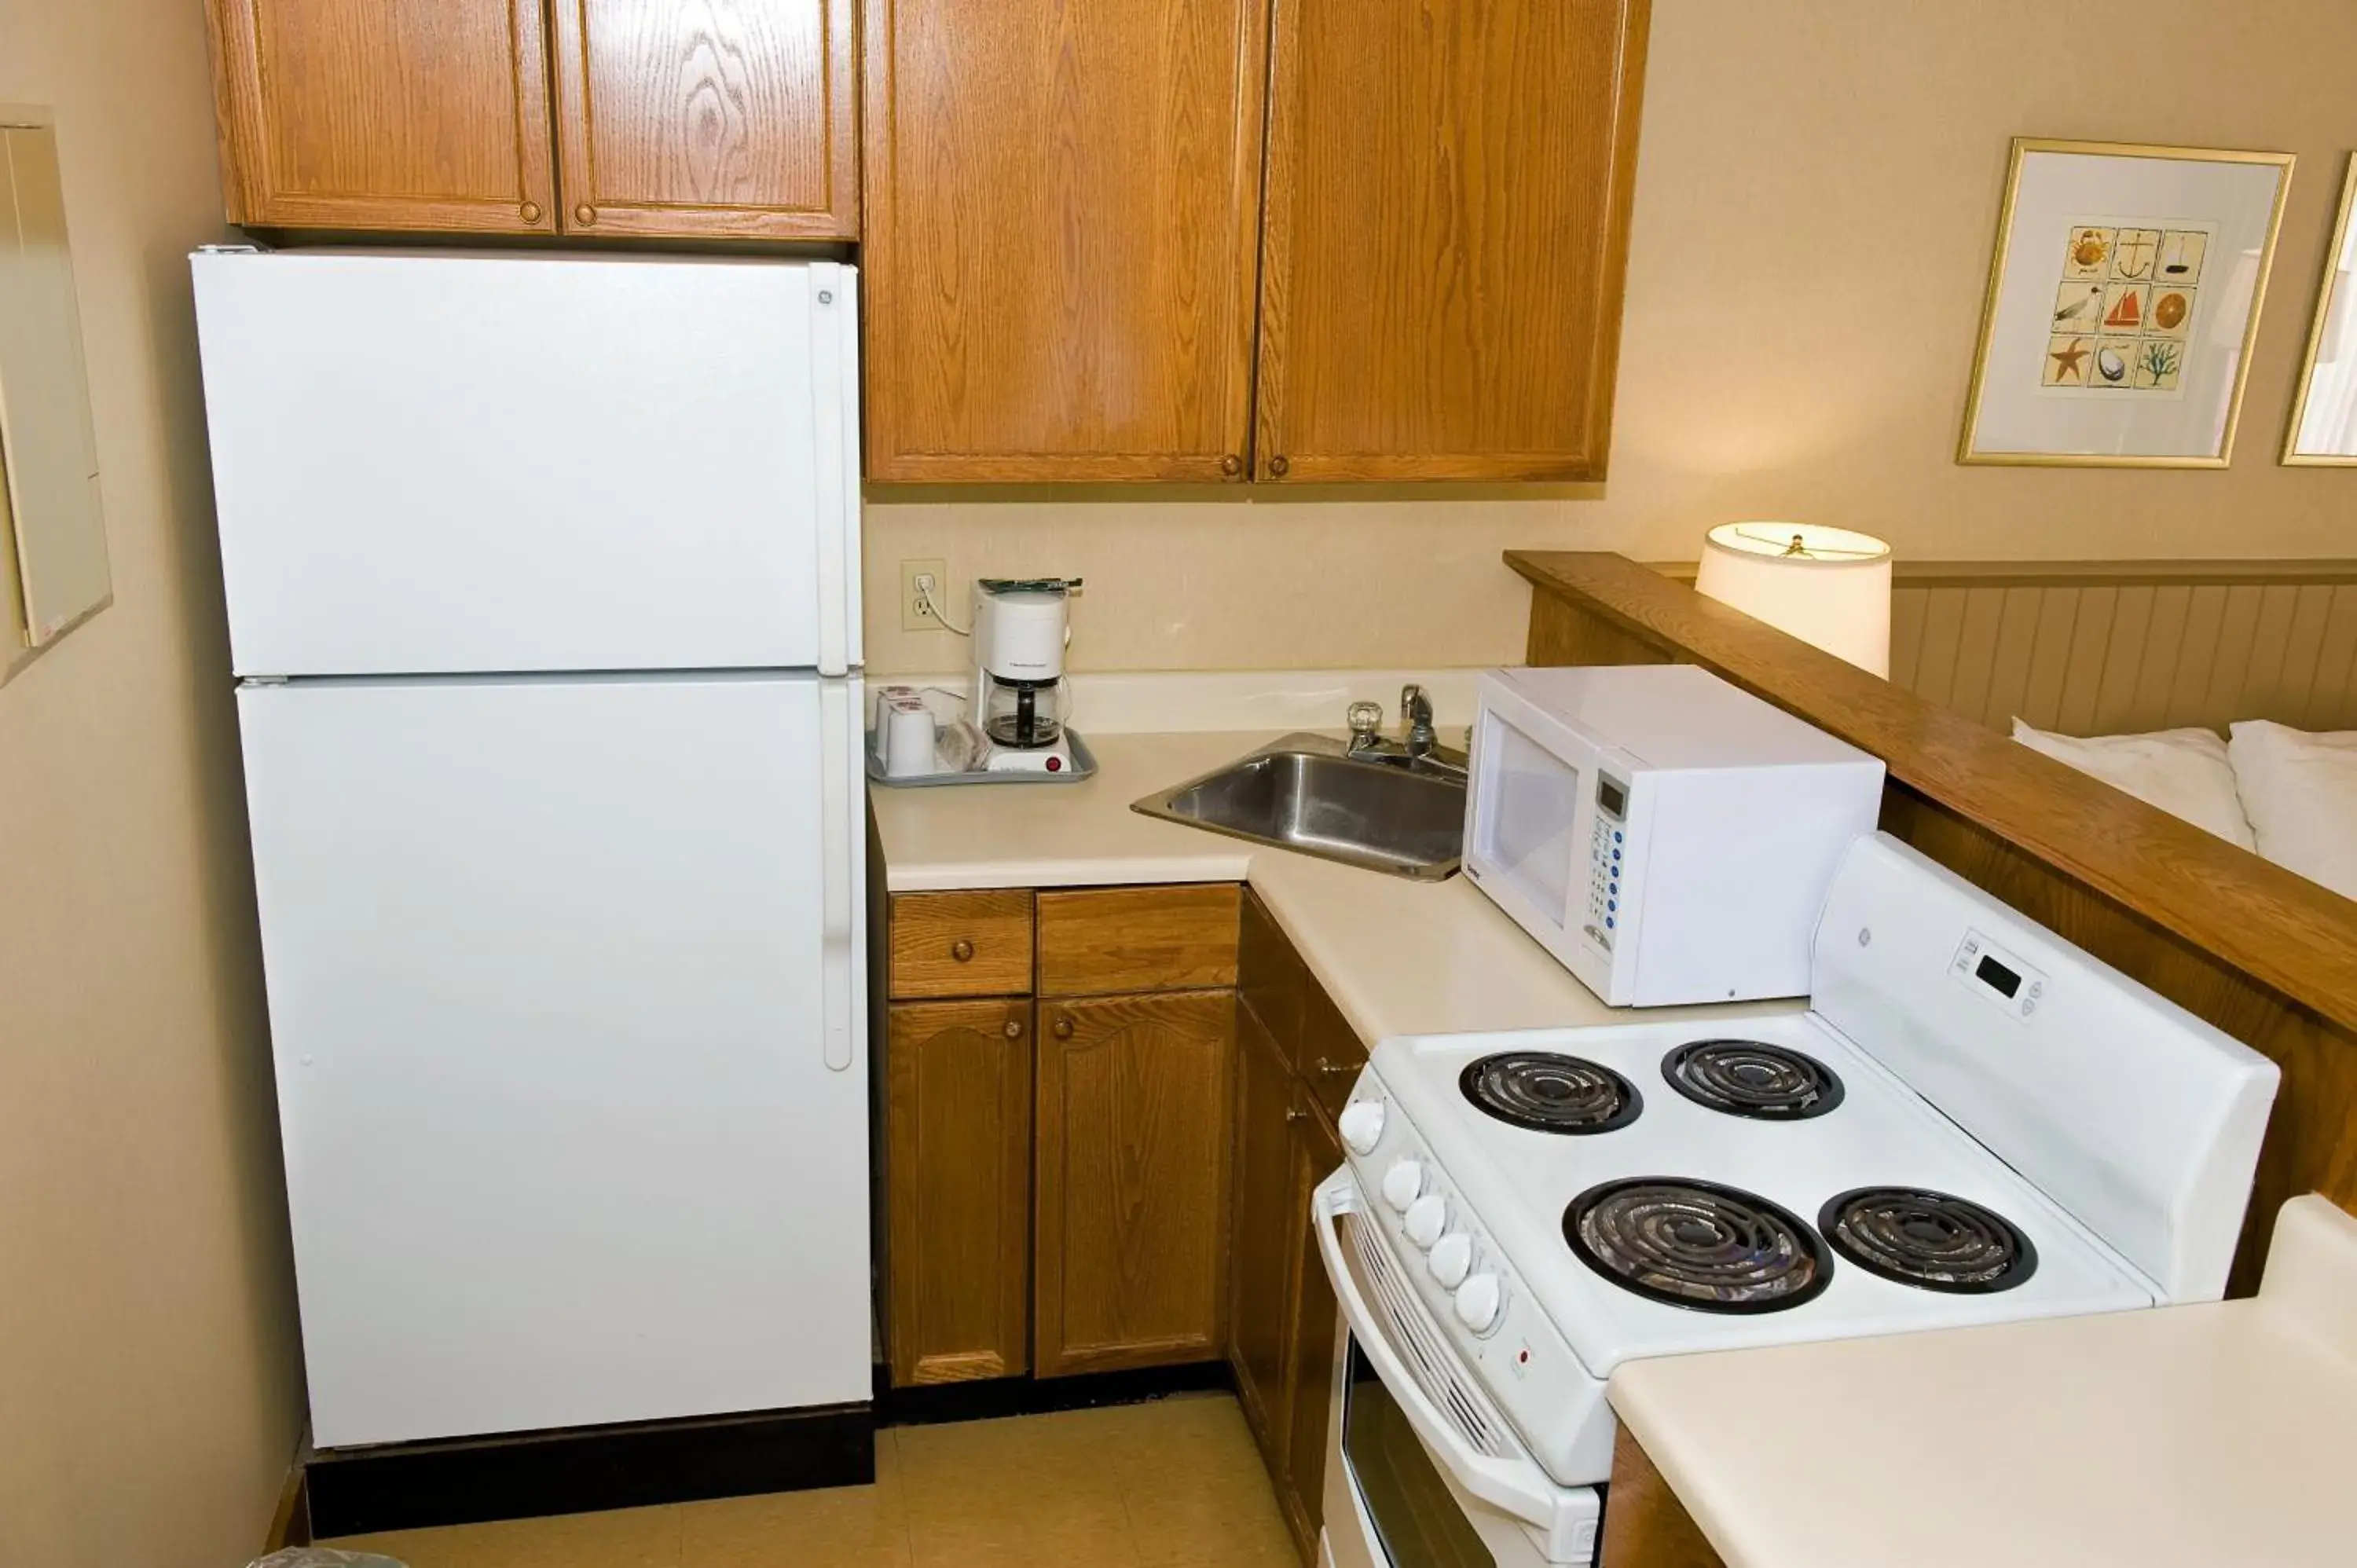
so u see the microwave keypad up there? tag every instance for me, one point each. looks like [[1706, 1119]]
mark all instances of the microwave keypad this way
[[1604, 881]]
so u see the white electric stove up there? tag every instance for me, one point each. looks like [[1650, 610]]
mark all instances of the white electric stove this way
[[1975, 1122]]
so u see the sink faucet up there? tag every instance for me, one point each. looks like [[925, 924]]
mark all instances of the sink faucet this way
[[1419, 748], [1415, 721]]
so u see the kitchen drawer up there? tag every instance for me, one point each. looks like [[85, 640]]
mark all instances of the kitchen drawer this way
[[1108, 939], [961, 944], [1331, 1054]]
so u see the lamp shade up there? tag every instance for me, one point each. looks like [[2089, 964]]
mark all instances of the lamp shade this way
[[1825, 585]]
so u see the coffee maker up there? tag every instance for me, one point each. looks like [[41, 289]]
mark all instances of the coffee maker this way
[[1019, 698]]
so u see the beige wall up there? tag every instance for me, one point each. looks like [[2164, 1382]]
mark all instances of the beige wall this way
[[1816, 197], [149, 1384]]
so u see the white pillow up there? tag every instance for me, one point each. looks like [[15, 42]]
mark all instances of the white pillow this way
[[2301, 791], [2185, 772]]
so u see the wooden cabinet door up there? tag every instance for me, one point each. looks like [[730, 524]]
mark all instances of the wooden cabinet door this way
[[1314, 1154], [1062, 226], [1130, 1258], [1262, 1233], [1448, 221], [708, 118], [424, 114], [957, 1138]]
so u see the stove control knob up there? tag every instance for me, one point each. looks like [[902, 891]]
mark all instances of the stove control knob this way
[[1362, 1125], [1451, 1260], [1402, 1183], [1427, 1217], [1481, 1304]]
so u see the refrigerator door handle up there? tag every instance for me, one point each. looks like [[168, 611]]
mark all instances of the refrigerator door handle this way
[[845, 833], [833, 327]]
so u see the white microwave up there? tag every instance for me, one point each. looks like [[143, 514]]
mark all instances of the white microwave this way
[[1669, 838]]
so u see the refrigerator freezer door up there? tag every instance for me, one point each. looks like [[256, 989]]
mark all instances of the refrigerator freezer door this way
[[571, 1136], [452, 463]]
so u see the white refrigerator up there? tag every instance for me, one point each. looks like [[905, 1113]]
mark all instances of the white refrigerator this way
[[543, 584]]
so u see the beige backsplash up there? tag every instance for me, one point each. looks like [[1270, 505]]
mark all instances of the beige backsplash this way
[[1816, 195]]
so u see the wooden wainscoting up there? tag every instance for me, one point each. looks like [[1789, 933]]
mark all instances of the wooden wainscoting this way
[[2114, 647], [2119, 646]]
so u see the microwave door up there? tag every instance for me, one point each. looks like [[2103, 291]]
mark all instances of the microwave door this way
[[1531, 821]]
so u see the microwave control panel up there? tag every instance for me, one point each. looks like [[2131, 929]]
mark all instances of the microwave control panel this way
[[1605, 844]]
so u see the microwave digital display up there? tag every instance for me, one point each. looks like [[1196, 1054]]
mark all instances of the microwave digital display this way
[[1611, 797]]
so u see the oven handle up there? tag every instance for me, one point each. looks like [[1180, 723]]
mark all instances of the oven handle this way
[[1518, 1486]]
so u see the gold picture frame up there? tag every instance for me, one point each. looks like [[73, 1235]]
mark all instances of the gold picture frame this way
[[2174, 400], [2292, 454]]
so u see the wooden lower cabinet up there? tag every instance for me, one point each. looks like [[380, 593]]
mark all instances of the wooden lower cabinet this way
[[1645, 1526], [1131, 1180], [1315, 1153], [1281, 1307], [1261, 1235], [958, 1180], [1293, 1070]]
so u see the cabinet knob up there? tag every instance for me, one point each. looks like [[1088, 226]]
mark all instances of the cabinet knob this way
[[1232, 465], [1062, 1028], [1295, 1114], [962, 951], [1015, 1028], [1278, 466], [585, 214], [1326, 1067], [531, 211]]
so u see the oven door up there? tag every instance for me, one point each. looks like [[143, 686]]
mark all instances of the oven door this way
[[1406, 1484]]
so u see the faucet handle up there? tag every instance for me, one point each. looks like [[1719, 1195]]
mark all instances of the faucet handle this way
[[1366, 721]]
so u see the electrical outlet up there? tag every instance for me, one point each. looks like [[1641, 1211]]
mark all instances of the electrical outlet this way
[[918, 579]]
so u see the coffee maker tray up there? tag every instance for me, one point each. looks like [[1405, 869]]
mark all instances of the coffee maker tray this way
[[1084, 766]]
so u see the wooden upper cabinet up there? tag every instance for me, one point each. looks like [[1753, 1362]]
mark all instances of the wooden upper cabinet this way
[[1446, 229], [707, 118], [1062, 221], [424, 114]]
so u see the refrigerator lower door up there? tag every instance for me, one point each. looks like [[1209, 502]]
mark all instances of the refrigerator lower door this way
[[563, 983], [450, 463]]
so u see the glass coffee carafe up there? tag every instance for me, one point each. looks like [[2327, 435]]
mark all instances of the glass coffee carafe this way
[[1024, 714]]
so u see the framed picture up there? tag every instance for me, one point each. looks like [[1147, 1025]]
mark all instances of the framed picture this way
[[2123, 300], [2323, 427]]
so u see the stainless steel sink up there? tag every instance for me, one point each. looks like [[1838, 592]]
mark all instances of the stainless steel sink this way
[[1306, 792]]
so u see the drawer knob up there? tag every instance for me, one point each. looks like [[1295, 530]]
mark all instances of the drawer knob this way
[[1295, 1114], [1327, 1066], [1015, 1028], [585, 214], [1063, 1028], [962, 951]]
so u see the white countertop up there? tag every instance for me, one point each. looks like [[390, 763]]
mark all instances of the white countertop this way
[[1398, 957], [2211, 1435]]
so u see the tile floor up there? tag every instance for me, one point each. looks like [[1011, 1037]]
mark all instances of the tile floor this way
[[1172, 1483]]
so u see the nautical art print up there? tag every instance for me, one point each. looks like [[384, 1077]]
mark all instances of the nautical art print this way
[[2123, 300], [2126, 298]]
